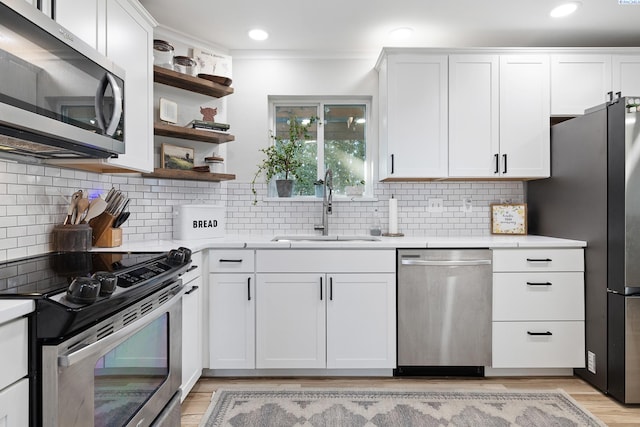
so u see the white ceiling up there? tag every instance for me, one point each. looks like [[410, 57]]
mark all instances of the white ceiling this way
[[363, 25]]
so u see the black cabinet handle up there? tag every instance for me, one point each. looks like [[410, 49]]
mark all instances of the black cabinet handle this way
[[330, 288], [539, 333], [230, 260], [249, 289], [539, 284], [392, 163], [321, 288], [504, 157], [193, 267], [539, 260], [193, 289], [497, 159]]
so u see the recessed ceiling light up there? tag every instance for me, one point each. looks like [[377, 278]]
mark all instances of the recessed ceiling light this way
[[564, 9], [402, 33], [257, 34]]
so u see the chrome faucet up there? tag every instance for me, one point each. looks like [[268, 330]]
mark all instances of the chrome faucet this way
[[327, 200]]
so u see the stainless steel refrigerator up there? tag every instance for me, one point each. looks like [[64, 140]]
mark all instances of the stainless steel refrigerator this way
[[594, 195]]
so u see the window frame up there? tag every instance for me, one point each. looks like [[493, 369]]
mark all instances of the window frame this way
[[319, 102]]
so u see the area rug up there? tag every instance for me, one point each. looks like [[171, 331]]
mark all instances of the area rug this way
[[382, 407]]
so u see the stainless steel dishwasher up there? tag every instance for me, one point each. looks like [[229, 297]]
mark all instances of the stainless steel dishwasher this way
[[444, 311]]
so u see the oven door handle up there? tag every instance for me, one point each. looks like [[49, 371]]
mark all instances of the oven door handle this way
[[118, 337]]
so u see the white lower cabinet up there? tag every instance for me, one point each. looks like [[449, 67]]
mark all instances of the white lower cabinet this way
[[14, 405], [232, 309], [192, 307], [361, 328], [341, 320], [232, 321], [538, 308]]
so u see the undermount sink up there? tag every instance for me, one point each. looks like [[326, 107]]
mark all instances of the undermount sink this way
[[316, 238]]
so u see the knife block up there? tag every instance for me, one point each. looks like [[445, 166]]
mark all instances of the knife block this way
[[104, 235]]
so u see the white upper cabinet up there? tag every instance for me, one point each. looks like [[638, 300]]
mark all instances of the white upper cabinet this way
[[413, 116], [498, 116], [81, 18], [578, 82], [626, 74], [524, 116], [474, 139]]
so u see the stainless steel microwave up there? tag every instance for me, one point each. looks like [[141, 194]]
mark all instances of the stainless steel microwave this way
[[59, 98]]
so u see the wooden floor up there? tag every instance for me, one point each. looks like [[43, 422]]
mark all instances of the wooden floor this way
[[605, 408]]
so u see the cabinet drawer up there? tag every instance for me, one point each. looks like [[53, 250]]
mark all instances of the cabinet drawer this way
[[514, 346], [322, 261], [196, 269], [538, 260], [231, 261], [14, 336], [538, 296], [14, 404]]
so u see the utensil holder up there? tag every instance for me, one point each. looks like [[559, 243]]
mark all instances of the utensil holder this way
[[71, 238], [104, 235]]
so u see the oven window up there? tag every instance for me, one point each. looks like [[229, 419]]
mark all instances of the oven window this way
[[127, 376]]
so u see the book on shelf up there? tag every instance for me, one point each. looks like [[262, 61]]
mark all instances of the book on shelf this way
[[206, 125]]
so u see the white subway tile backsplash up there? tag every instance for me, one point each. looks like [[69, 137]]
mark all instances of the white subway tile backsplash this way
[[32, 202]]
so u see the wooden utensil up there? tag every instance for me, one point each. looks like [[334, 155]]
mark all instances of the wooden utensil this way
[[72, 207], [82, 205], [96, 207]]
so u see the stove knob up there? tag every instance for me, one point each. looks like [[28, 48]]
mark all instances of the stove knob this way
[[176, 257], [83, 290], [187, 253], [108, 282]]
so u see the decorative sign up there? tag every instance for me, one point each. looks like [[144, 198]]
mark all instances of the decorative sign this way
[[509, 219]]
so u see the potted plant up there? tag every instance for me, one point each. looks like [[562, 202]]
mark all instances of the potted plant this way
[[282, 159]]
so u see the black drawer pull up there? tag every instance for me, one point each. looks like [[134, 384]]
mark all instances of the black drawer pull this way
[[230, 260], [249, 289], [320, 288], [193, 267], [193, 289], [331, 288], [539, 260], [539, 333], [539, 284]]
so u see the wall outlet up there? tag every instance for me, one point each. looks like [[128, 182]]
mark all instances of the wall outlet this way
[[467, 205], [435, 205], [591, 362]]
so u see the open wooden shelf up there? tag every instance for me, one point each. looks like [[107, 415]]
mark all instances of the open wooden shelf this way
[[188, 175], [190, 83], [182, 132]]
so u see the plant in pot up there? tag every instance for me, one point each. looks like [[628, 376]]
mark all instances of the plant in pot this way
[[283, 159]]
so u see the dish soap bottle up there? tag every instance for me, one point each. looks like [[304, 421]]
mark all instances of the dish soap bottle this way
[[376, 226]]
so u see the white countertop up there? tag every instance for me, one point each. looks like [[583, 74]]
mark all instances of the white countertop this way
[[265, 242], [13, 308]]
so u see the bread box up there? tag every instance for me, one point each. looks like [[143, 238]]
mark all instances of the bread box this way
[[198, 222]]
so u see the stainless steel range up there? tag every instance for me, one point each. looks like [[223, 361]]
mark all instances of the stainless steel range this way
[[105, 336]]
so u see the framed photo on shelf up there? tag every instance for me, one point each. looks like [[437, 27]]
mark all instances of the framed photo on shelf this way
[[509, 218], [174, 157]]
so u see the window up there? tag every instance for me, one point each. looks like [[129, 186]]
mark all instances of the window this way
[[337, 141]]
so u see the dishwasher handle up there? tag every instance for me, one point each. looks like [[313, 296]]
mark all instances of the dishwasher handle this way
[[446, 263]]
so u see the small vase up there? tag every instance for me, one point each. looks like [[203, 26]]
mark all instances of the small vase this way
[[284, 187], [319, 189]]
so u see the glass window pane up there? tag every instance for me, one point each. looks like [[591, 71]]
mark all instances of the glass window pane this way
[[345, 145], [309, 153]]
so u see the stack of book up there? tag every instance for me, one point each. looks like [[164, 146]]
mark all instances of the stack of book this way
[[205, 125]]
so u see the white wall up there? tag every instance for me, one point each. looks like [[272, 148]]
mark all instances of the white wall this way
[[255, 78]]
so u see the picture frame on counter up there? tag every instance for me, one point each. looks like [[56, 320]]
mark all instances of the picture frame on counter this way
[[509, 218], [174, 157]]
